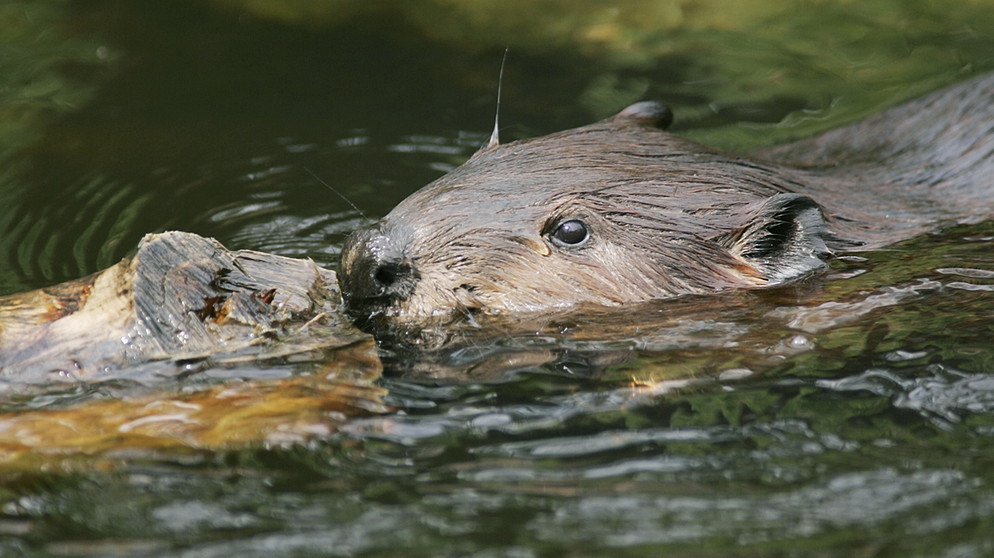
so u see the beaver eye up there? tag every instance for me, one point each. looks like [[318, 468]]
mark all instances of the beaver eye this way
[[570, 233]]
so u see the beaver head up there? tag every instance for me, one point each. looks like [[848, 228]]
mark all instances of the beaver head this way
[[614, 213]]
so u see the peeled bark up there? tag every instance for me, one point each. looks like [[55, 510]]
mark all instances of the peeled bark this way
[[181, 302]]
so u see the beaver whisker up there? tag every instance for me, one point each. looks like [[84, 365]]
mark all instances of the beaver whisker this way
[[340, 195]]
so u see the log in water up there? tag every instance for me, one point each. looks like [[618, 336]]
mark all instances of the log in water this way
[[181, 302]]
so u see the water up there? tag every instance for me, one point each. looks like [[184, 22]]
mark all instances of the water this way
[[852, 416]]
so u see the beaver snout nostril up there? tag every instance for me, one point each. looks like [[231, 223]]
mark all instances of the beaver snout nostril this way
[[374, 274], [395, 280], [386, 275]]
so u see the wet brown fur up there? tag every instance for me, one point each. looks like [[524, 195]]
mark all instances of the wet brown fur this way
[[668, 216]]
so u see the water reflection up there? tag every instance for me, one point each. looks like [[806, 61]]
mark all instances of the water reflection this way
[[745, 432], [850, 418], [943, 395]]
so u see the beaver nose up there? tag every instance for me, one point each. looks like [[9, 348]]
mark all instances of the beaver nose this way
[[374, 274]]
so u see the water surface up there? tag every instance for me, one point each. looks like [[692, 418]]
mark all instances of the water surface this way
[[851, 416]]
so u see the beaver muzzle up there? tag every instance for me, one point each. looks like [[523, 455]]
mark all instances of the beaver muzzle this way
[[374, 277]]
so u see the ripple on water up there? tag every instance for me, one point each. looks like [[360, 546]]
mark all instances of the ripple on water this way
[[294, 236], [61, 237], [967, 272], [977, 280], [943, 395], [862, 499]]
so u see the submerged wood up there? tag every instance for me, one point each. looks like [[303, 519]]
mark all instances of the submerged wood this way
[[180, 302], [283, 412]]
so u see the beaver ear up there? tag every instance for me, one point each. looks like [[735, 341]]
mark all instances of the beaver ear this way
[[646, 113], [783, 239]]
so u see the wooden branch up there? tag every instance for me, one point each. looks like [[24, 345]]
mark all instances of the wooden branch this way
[[181, 301]]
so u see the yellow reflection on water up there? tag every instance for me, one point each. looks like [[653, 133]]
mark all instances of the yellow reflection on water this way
[[247, 413]]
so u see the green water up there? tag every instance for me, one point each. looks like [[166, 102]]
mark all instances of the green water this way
[[854, 420]]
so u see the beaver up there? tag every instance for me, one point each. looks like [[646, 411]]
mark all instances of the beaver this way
[[622, 212]]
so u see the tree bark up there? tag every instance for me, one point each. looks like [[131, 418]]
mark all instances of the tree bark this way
[[181, 302]]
